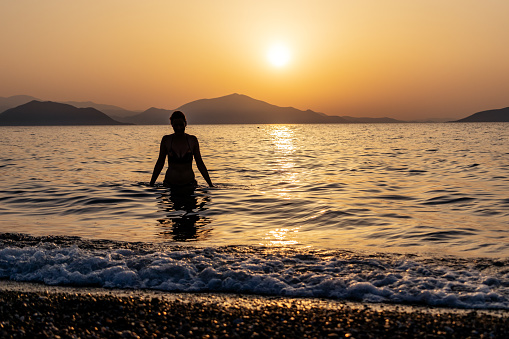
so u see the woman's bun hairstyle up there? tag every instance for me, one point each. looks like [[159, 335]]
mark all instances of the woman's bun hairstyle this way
[[178, 115]]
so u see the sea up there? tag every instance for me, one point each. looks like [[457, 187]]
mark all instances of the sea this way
[[401, 213]]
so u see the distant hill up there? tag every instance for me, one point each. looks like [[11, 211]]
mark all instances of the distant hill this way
[[494, 115], [369, 120], [241, 109], [47, 113], [112, 111], [152, 116], [16, 100]]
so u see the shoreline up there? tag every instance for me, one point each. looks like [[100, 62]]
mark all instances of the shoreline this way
[[30, 309]]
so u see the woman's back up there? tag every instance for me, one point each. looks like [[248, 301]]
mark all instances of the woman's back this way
[[180, 148], [179, 151]]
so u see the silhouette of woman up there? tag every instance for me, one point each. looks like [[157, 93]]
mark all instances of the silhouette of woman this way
[[180, 148]]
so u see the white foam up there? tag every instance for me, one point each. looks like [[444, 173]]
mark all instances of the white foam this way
[[345, 276]]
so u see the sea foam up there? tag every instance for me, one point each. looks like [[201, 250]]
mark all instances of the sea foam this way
[[344, 275]]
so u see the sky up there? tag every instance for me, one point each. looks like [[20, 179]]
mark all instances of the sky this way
[[403, 59]]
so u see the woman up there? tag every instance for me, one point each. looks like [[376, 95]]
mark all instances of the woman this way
[[180, 148]]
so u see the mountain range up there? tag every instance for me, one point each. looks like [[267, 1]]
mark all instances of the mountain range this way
[[15, 100], [47, 113], [114, 112], [229, 109], [241, 109]]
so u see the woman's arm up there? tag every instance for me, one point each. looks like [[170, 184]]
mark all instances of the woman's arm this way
[[159, 163], [199, 163]]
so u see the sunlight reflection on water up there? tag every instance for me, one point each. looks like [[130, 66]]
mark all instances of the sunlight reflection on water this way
[[281, 237]]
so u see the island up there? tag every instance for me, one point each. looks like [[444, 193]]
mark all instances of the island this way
[[492, 115]]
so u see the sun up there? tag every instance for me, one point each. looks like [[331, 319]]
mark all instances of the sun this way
[[278, 55]]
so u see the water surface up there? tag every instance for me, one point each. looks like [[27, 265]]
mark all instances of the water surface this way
[[400, 188]]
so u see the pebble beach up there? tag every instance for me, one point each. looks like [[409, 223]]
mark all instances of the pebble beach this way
[[36, 311]]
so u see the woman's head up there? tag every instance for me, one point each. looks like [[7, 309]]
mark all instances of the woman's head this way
[[178, 121]]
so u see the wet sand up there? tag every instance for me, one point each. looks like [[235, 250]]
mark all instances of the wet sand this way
[[33, 310]]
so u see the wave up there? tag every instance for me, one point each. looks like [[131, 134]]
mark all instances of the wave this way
[[479, 283]]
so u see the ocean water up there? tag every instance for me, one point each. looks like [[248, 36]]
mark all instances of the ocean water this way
[[398, 213]]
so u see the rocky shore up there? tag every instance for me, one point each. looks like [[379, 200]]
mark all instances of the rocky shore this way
[[40, 311]]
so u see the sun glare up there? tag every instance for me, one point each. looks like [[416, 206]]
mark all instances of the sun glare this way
[[278, 55]]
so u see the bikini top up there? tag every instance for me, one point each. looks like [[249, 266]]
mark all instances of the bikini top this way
[[176, 158]]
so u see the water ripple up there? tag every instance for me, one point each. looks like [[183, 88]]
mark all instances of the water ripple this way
[[446, 200]]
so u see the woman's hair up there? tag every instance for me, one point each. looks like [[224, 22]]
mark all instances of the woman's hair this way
[[178, 115]]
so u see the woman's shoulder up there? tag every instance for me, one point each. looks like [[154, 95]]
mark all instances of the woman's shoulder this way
[[193, 140], [191, 137], [167, 137]]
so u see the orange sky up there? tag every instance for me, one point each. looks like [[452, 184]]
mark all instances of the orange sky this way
[[403, 59]]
